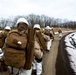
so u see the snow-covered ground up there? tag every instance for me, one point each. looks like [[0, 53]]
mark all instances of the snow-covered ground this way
[[70, 42]]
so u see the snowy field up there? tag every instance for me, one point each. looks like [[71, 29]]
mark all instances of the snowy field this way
[[70, 42]]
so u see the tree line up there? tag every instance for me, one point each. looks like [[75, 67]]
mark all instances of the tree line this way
[[40, 19]]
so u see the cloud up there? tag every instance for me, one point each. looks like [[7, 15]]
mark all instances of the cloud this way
[[52, 8]]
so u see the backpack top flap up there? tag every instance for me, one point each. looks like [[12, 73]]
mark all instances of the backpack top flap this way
[[14, 37]]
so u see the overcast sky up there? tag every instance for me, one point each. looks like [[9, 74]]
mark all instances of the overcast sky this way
[[64, 9]]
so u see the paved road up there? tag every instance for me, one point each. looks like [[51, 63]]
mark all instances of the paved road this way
[[49, 58]]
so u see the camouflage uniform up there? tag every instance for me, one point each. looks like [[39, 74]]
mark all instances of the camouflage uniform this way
[[39, 47]]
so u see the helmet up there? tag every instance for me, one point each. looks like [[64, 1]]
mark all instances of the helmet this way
[[47, 27], [22, 20], [7, 28], [37, 26]]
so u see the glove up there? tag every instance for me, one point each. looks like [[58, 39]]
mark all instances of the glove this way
[[19, 42]]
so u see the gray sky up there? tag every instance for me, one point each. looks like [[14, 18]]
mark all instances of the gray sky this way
[[64, 9]]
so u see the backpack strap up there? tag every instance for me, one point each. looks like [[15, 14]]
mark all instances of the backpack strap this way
[[42, 41], [30, 48]]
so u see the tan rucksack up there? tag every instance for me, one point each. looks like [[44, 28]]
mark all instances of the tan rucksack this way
[[13, 38], [14, 58]]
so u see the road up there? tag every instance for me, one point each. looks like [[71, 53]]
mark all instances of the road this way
[[49, 58]]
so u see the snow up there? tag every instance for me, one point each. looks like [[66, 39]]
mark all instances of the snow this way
[[70, 42], [1, 53]]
